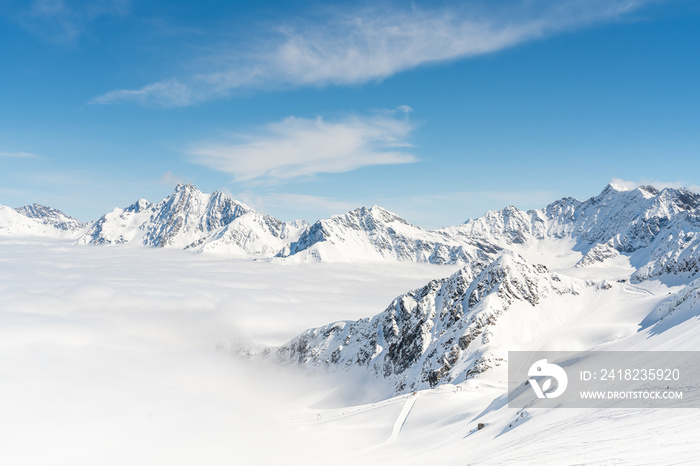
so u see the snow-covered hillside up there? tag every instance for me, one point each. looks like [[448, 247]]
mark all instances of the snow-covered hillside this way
[[456, 328], [435, 362], [38, 220]]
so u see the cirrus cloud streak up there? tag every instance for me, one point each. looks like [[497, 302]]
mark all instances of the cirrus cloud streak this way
[[354, 47]]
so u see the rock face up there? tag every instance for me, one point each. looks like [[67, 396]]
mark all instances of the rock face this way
[[436, 334], [598, 253], [190, 219]]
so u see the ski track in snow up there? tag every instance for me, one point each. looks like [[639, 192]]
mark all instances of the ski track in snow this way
[[412, 398]]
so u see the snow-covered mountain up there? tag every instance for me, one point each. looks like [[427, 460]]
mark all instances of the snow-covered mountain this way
[[455, 328], [377, 234], [450, 329], [655, 230], [53, 217], [38, 220], [190, 219]]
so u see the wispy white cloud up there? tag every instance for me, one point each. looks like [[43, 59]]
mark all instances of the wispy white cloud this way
[[170, 93], [299, 147], [63, 21], [372, 44], [655, 183], [19, 155]]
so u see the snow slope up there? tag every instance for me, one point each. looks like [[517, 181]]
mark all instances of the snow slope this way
[[524, 308], [453, 329]]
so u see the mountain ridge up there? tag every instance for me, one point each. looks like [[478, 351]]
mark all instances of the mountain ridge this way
[[447, 331], [655, 229]]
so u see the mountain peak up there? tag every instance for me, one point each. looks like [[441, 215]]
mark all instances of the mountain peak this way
[[51, 217], [443, 332], [186, 187], [612, 186]]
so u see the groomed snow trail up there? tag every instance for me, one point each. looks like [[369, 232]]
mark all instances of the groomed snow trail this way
[[402, 416]]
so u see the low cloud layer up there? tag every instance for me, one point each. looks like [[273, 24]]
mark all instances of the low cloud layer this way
[[108, 354]]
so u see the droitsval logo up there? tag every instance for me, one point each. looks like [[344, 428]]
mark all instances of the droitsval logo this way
[[552, 372]]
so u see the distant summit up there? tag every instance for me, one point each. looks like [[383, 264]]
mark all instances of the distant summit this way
[[39, 220]]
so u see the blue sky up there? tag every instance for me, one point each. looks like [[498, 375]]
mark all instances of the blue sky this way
[[437, 111]]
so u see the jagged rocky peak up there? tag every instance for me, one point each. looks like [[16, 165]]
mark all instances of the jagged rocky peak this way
[[193, 220], [376, 234], [436, 334], [50, 216], [666, 201], [368, 218], [506, 226], [189, 209], [139, 206]]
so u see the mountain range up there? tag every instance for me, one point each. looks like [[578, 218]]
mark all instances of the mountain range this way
[[656, 229], [525, 277]]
